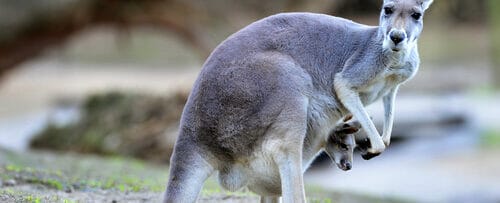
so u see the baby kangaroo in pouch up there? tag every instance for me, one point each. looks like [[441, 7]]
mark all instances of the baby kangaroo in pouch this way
[[273, 95], [341, 143]]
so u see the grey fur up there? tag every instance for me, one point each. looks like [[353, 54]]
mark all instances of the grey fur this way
[[268, 96]]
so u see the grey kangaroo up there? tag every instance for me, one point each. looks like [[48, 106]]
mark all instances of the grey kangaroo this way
[[268, 97]]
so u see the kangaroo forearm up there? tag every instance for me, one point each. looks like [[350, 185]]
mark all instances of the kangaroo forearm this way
[[351, 101], [389, 103]]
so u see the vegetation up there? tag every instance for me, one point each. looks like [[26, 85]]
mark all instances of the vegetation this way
[[141, 126], [47, 177]]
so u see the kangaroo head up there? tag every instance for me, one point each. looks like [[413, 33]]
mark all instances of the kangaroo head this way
[[401, 22], [340, 148]]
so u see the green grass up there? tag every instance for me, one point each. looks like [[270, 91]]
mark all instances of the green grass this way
[[69, 172], [64, 173]]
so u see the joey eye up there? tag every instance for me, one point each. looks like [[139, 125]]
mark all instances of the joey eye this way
[[343, 147], [388, 10], [416, 16]]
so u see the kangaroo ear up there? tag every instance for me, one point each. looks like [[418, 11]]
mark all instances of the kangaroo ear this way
[[426, 4]]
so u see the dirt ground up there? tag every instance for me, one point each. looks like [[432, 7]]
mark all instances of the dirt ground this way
[[40, 176]]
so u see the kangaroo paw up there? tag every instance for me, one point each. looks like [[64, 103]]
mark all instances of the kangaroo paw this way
[[369, 156]]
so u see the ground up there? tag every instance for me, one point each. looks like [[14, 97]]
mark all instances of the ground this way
[[41, 176]]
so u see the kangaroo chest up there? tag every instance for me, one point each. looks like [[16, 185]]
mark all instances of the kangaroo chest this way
[[386, 80]]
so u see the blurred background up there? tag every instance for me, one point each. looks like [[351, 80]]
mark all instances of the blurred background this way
[[110, 78]]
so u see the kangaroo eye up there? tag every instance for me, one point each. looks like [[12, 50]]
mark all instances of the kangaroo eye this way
[[388, 10], [416, 16]]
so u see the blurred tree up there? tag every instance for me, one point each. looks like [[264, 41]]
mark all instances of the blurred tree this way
[[27, 28], [461, 11], [356, 7], [494, 17]]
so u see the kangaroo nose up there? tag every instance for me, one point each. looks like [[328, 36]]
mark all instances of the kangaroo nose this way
[[397, 36], [348, 166], [345, 165]]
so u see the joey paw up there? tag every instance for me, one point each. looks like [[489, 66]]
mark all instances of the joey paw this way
[[369, 156], [349, 127]]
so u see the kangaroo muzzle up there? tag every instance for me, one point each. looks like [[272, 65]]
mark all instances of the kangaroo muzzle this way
[[396, 39], [397, 36], [345, 165]]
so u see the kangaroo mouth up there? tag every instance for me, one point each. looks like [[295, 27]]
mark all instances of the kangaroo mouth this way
[[396, 47], [390, 46]]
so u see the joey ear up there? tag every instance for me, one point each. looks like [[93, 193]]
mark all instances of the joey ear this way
[[426, 4]]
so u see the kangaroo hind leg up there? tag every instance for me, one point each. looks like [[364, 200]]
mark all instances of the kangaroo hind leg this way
[[188, 172]]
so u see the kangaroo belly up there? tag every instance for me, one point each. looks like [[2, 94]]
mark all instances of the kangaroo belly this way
[[258, 172], [377, 89], [265, 177], [374, 91]]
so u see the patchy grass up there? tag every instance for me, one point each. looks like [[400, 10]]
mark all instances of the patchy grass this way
[[47, 177], [76, 172]]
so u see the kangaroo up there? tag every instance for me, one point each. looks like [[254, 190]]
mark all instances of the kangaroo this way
[[341, 143], [268, 96]]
